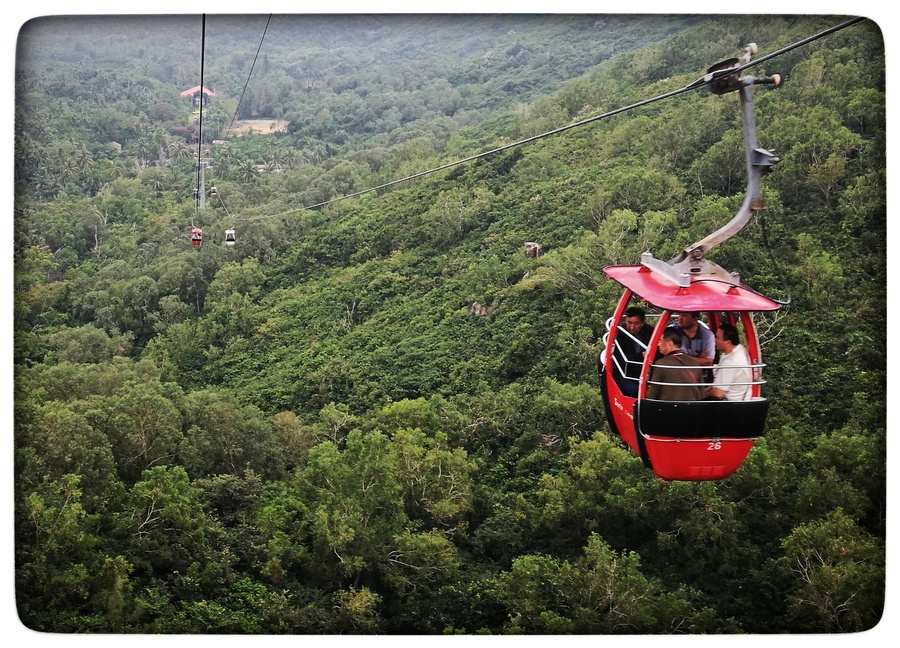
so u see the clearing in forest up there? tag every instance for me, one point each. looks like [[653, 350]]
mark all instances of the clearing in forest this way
[[258, 127]]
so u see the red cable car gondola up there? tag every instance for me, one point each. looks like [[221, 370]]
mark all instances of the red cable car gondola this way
[[684, 440], [704, 439], [196, 236]]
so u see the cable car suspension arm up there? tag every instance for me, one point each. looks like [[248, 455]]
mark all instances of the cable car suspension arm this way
[[723, 78]]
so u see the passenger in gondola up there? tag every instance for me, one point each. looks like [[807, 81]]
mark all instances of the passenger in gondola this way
[[697, 341], [732, 374], [675, 376], [631, 348]]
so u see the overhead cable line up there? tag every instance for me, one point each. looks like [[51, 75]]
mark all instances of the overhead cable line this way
[[249, 74], [200, 159], [200, 127], [788, 48], [701, 82], [240, 100]]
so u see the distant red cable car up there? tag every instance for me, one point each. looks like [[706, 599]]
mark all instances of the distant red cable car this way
[[701, 439], [196, 236]]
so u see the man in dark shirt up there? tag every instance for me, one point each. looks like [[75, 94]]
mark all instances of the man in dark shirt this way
[[631, 347], [697, 341], [680, 373]]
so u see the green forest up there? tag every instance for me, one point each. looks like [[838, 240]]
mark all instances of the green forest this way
[[316, 431]]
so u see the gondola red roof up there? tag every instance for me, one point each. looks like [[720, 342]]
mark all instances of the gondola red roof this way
[[701, 295]]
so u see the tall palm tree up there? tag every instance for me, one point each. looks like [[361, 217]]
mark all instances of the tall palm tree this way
[[143, 149], [295, 158], [247, 171], [83, 158], [226, 157], [178, 150], [67, 165], [115, 169], [94, 179]]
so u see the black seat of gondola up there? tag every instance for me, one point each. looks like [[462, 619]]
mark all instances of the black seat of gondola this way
[[701, 419]]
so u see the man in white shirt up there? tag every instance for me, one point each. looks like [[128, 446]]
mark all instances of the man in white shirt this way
[[732, 375]]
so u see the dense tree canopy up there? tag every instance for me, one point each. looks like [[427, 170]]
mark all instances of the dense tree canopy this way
[[317, 431]]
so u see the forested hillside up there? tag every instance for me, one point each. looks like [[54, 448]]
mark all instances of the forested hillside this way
[[314, 431]]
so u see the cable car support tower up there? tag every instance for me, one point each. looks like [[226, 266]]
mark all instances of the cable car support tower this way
[[202, 163]]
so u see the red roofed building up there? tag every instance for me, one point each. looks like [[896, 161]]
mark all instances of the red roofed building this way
[[199, 96]]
